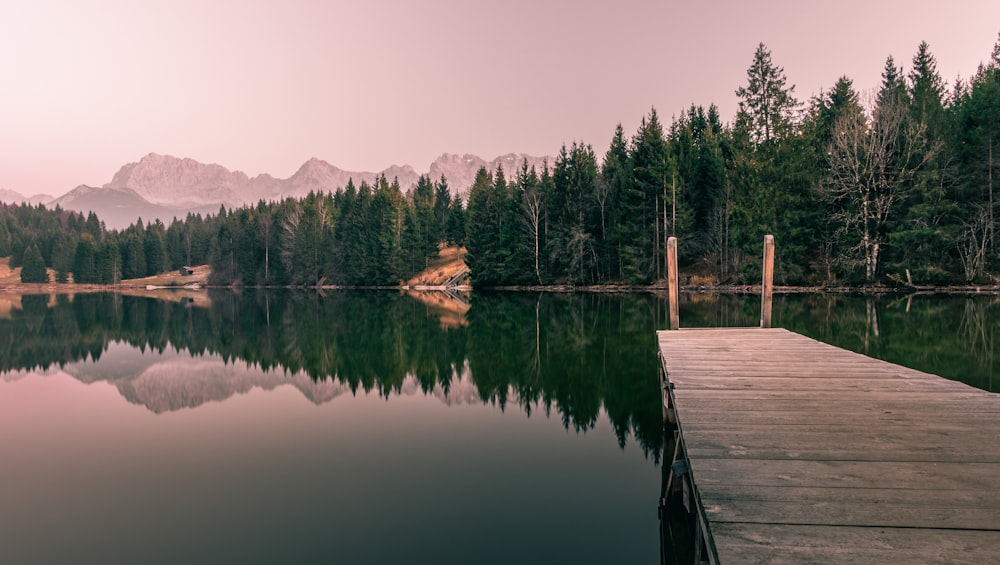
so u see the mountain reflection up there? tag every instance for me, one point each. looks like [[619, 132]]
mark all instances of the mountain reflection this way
[[570, 355]]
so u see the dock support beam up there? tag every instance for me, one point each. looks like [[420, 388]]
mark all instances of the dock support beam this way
[[767, 284], [673, 284]]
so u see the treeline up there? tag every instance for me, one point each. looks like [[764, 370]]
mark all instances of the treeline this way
[[365, 235], [894, 186], [889, 187], [79, 248]]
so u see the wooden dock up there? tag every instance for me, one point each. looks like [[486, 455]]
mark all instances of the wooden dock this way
[[795, 451]]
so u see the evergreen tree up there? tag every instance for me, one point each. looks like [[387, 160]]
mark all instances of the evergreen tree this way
[[85, 260], [924, 232], [641, 210], [455, 225], [926, 89], [767, 106], [482, 228], [893, 85], [154, 249], [573, 217], [33, 267], [176, 256], [615, 180], [826, 110], [442, 205], [697, 180], [62, 253], [425, 222], [976, 141], [773, 173], [134, 257], [109, 261]]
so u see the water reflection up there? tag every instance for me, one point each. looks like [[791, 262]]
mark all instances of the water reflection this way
[[567, 356], [562, 354], [951, 336]]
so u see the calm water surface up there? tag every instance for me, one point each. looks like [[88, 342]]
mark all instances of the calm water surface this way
[[351, 428], [375, 427]]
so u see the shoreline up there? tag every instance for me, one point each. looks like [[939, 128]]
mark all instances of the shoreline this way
[[72, 288]]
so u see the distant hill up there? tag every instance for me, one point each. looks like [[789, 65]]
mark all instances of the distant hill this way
[[163, 186], [121, 207], [12, 197]]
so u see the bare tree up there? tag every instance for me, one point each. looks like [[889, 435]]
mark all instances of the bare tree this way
[[289, 231], [532, 205], [873, 159], [973, 244], [264, 237]]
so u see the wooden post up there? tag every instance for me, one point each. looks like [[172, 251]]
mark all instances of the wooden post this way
[[767, 285], [673, 286]]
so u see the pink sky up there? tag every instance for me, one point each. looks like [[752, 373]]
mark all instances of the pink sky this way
[[261, 86]]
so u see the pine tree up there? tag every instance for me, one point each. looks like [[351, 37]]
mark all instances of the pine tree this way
[[892, 85], [424, 222], [154, 249], [33, 267], [85, 260], [442, 204], [63, 249], [482, 229], [767, 106], [773, 173], [697, 179], [615, 180], [640, 204], [976, 142], [926, 89], [455, 226], [134, 257], [573, 216], [927, 227], [826, 110]]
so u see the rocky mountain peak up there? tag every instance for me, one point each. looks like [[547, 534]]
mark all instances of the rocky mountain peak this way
[[164, 186]]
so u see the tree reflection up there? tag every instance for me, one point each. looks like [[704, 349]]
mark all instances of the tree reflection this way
[[570, 355]]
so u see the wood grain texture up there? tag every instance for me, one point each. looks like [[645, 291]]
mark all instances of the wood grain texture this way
[[801, 452]]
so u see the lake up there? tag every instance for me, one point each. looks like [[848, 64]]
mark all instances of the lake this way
[[374, 427]]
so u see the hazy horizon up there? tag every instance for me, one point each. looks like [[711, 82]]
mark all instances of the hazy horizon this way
[[261, 88]]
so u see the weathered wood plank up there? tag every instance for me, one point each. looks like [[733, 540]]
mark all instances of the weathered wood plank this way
[[970, 509], [780, 544], [846, 474], [801, 452], [817, 414]]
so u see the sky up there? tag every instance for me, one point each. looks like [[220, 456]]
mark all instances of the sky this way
[[87, 86]]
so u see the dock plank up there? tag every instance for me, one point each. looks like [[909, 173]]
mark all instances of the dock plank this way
[[803, 452]]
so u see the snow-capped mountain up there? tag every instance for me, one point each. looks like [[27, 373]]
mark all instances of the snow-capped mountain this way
[[163, 179], [163, 187]]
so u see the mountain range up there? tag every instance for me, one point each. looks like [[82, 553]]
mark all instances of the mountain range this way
[[163, 187], [169, 381], [11, 197]]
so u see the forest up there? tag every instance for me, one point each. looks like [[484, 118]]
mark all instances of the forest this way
[[890, 188]]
